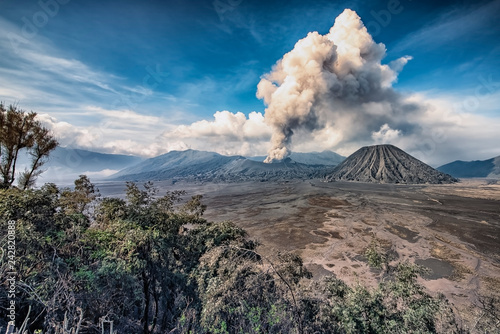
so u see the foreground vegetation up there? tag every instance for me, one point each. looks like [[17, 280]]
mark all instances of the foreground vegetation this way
[[152, 264], [22, 134]]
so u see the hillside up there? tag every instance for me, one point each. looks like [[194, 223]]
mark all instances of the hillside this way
[[243, 170], [90, 161], [210, 166], [189, 163], [479, 168], [325, 158], [387, 164]]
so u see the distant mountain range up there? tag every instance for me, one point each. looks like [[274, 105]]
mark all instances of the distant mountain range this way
[[66, 164], [387, 164], [380, 163], [210, 166], [479, 168], [84, 160]]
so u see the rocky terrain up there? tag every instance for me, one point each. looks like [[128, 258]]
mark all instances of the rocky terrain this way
[[387, 164], [479, 168]]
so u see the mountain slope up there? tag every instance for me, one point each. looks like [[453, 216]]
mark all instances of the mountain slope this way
[[176, 164], [495, 173], [242, 170], [84, 160], [210, 166], [387, 164], [478, 168], [325, 158]]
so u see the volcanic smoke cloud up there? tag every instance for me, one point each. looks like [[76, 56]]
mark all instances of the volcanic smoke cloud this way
[[334, 81]]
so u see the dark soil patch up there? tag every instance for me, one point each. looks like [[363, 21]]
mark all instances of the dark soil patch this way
[[439, 268], [336, 235], [321, 233], [484, 237], [403, 232], [327, 202], [318, 271]]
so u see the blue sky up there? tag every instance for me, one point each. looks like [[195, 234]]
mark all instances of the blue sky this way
[[122, 76]]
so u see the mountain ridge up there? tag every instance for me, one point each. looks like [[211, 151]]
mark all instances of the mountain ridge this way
[[489, 168], [211, 166]]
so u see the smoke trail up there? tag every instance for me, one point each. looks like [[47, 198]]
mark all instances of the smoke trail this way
[[328, 78]]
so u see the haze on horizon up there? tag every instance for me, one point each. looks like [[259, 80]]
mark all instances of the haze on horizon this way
[[248, 78]]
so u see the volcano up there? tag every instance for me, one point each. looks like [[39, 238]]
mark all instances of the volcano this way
[[213, 167], [387, 164]]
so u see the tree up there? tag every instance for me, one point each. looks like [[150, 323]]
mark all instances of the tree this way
[[20, 131], [44, 144], [144, 243], [77, 200]]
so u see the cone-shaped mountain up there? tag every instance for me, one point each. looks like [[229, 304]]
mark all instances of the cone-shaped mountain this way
[[387, 164]]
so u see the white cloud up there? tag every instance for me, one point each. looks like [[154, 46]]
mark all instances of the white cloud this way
[[332, 92], [119, 131], [226, 125], [227, 133], [126, 132], [450, 133], [34, 69], [385, 135]]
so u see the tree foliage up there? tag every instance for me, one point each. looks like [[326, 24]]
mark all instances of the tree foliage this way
[[20, 132]]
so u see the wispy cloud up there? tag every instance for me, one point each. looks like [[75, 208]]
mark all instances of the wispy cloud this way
[[37, 60], [84, 107], [42, 77], [454, 26], [118, 131]]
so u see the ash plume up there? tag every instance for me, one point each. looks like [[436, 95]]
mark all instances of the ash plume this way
[[334, 81]]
